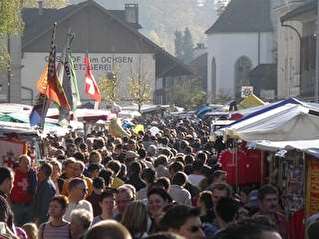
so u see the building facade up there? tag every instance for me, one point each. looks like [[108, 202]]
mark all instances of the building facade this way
[[110, 37], [238, 41], [305, 16], [287, 48]]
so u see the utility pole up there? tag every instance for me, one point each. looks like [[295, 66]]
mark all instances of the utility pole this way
[[317, 57]]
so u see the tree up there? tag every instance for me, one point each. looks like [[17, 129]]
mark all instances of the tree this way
[[46, 4], [188, 46], [139, 86], [179, 44], [10, 23], [109, 87], [187, 94]]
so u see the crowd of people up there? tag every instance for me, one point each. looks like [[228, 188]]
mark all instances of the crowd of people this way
[[168, 185]]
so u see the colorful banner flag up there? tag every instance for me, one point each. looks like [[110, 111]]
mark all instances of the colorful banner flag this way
[[70, 85], [69, 81], [91, 87], [39, 111], [74, 86], [54, 90]]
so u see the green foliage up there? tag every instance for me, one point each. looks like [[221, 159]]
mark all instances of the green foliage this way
[[4, 57], [109, 84], [46, 4], [10, 20], [109, 87], [187, 94], [10, 23]]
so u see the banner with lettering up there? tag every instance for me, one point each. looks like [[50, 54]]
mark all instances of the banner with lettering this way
[[312, 200], [10, 151]]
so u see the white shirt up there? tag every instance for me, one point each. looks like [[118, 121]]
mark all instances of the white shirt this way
[[83, 204], [195, 179], [180, 195]]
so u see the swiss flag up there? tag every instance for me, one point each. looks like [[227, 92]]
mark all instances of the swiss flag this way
[[91, 87]]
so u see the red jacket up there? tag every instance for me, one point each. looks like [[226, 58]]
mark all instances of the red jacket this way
[[20, 192]]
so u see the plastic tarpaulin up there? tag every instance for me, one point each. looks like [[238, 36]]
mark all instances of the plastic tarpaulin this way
[[308, 146], [21, 120], [284, 123], [250, 101]]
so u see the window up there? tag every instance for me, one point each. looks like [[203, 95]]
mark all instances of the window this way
[[213, 79], [242, 68]]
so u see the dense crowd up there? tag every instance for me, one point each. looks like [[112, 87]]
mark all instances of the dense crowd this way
[[168, 185]]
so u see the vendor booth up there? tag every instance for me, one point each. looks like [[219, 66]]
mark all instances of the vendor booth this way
[[287, 135], [17, 139]]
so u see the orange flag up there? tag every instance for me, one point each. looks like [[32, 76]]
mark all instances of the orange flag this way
[[54, 90], [42, 83]]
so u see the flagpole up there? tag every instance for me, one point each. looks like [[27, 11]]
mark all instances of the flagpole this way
[[46, 102]]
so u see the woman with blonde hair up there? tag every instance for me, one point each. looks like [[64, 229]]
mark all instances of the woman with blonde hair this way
[[138, 226], [31, 230]]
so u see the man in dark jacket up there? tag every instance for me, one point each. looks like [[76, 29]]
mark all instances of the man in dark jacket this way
[[45, 192], [135, 170]]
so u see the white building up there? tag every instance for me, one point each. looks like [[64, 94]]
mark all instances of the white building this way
[[238, 41]]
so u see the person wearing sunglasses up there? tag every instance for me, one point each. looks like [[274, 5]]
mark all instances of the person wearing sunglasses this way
[[184, 221], [77, 192]]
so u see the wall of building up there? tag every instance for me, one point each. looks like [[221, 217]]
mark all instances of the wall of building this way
[[288, 52], [227, 49], [125, 64]]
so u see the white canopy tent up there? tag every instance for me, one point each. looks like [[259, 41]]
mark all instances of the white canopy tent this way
[[288, 122], [307, 146]]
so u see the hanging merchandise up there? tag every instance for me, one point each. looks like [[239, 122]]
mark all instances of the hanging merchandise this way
[[243, 166], [291, 180], [312, 196]]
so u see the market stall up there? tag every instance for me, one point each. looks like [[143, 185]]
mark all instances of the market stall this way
[[287, 132], [17, 139]]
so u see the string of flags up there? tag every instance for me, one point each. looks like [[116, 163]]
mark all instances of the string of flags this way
[[58, 84]]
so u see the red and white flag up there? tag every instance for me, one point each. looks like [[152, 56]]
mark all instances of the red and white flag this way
[[91, 87]]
